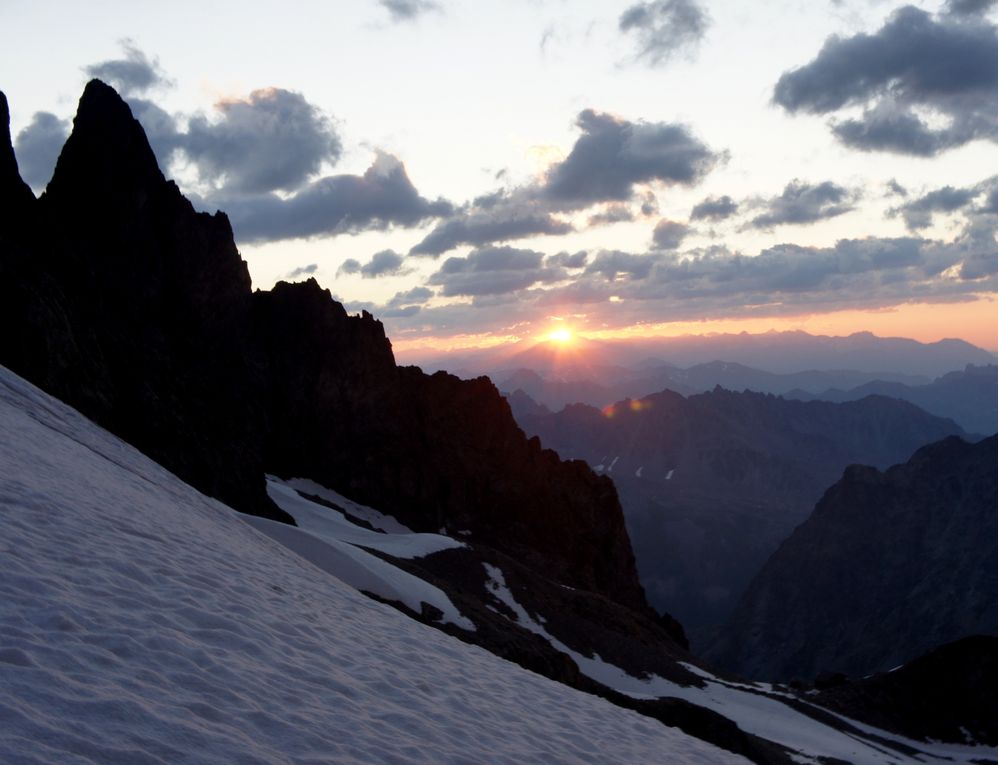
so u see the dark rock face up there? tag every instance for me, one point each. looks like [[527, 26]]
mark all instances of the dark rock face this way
[[947, 695], [712, 483], [128, 305], [887, 567], [123, 301], [435, 451], [15, 196]]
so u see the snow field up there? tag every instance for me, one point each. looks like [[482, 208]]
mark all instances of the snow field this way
[[142, 623]]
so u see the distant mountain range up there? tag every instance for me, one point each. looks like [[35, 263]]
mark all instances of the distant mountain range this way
[[603, 361], [614, 384], [969, 396], [888, 566], [712, 483]]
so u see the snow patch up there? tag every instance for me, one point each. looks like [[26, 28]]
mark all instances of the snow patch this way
[[332, 526]]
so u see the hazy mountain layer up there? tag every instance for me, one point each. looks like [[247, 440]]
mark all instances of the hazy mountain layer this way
[[969, 397]]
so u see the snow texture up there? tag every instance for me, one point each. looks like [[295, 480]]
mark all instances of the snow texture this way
[[143, 623]]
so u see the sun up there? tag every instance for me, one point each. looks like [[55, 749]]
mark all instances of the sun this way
[[562, 336]]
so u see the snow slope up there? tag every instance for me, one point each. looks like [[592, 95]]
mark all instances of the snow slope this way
[[142, 623]]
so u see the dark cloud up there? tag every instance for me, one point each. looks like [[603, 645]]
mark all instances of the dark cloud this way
[[408, 10], [614, 213], [663, 28], [607, 163], [620, 289], [417, 295], [494, 271], [349, 266], [979, 266], [669, 234], [969, 7], [990, 206], [790, 278], [486, 225], [613, 155], [274, 139], [916, 63], [131, 75], [572, 260], [380, 198], [384, 263], [896, 189], [804, 203], [37, 148], [714, 208], [918, 213], [308, 270], [613, 264]]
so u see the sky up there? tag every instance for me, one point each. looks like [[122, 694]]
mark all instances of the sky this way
[[475, 172]]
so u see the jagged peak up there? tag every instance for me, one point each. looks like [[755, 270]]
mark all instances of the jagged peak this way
[[106, 154], [14, 192]]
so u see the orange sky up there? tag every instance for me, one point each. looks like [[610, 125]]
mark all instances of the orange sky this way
[[976, 322]]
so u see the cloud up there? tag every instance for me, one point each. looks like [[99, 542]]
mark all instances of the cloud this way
[[479, 226], [408, 10], [494, 271], [308, 270], [663, 28], [130, 75], [613, 264], [613, 155], [612, 213], [714, 208], [37, 148], [896, 189], [980, 265], [926, 84], [572, 260], [417, 295], [918, 213], [606, 165], [669, 234], [969, 7], [788, 278], [273, 139], [384, 263], [381, 198], [619, 289], [804, 203]]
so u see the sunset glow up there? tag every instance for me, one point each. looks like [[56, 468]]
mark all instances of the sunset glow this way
[[561, 336]]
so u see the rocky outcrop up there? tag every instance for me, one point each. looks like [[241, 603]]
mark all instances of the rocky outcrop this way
[[136, 309], [889, 566], [950, 694]]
